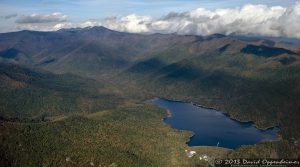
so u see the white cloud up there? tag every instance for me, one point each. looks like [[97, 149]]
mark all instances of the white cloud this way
[[130, 23], [62, 25], [249, 19], [90, 24]]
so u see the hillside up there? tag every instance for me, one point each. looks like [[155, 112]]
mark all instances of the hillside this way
[[65, 120], [68, 81], [250, 87], [27, 93]]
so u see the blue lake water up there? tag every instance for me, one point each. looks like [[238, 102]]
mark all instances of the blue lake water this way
[[211, 127]]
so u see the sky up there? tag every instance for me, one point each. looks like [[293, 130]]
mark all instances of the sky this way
[[195, 17]]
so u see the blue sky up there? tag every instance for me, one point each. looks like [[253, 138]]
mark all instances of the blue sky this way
[[147, 16], [79, 10]]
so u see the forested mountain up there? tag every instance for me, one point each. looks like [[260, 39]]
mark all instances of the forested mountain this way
[[45, 75]]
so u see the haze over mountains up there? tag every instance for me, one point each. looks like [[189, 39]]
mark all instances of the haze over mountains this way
[[100, 49], [252, 79]]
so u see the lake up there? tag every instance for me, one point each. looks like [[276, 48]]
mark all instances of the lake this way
[[212, 127]]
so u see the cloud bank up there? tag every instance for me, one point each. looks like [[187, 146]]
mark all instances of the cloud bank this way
[[43, 22], [249, 19], [39, 18]]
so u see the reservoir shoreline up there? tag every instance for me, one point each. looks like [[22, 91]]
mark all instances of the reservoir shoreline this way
[[225, 113], [270, 133]]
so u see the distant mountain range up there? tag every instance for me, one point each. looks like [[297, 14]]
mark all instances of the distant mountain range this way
[[97, 50]]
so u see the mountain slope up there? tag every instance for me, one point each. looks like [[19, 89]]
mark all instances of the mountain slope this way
[[95, 51], [26, 93], [248, 86]]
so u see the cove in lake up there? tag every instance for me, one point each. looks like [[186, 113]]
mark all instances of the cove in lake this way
[[211, 127]]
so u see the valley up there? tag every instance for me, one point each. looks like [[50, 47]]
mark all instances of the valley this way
[[77, 96]]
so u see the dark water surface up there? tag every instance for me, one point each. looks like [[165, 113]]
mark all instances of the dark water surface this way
[[211, 127]]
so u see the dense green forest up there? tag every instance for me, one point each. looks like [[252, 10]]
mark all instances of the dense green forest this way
[[26, 93], [81, 101]]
